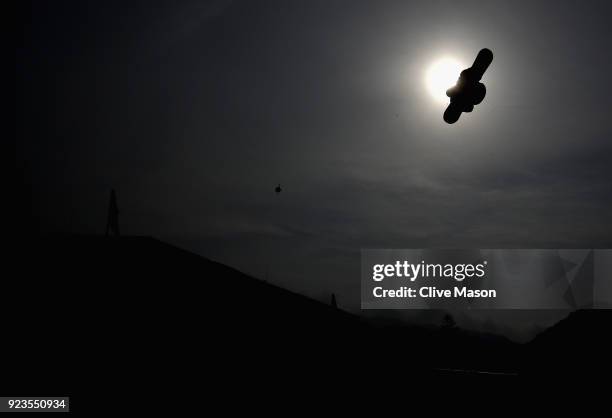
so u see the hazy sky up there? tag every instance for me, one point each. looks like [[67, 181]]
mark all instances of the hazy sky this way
[[194, 111]]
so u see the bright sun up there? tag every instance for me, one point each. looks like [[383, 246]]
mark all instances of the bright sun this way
[[441, 75]]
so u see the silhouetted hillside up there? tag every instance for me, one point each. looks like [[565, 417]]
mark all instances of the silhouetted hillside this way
[[141, 316], [579, 345], [135, 285]]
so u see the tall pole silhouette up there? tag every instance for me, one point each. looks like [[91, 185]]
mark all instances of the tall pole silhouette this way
[[112, 223], [334, 303]]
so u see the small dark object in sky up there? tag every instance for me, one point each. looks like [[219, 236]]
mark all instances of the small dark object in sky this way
[[278, 189], [112, 223], [469, 91]]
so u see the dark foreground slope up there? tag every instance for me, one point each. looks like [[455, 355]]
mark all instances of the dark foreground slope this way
[[137, 318], [579, 348], [136, 308]]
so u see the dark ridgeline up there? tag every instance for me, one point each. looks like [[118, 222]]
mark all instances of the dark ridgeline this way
[[469, 91], [136, 317]]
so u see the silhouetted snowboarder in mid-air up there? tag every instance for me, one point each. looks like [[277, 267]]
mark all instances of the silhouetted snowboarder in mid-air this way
[[469, 91], [112, 223], [278, 189]]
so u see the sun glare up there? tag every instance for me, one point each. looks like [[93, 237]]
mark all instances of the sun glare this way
[[441, 75]]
